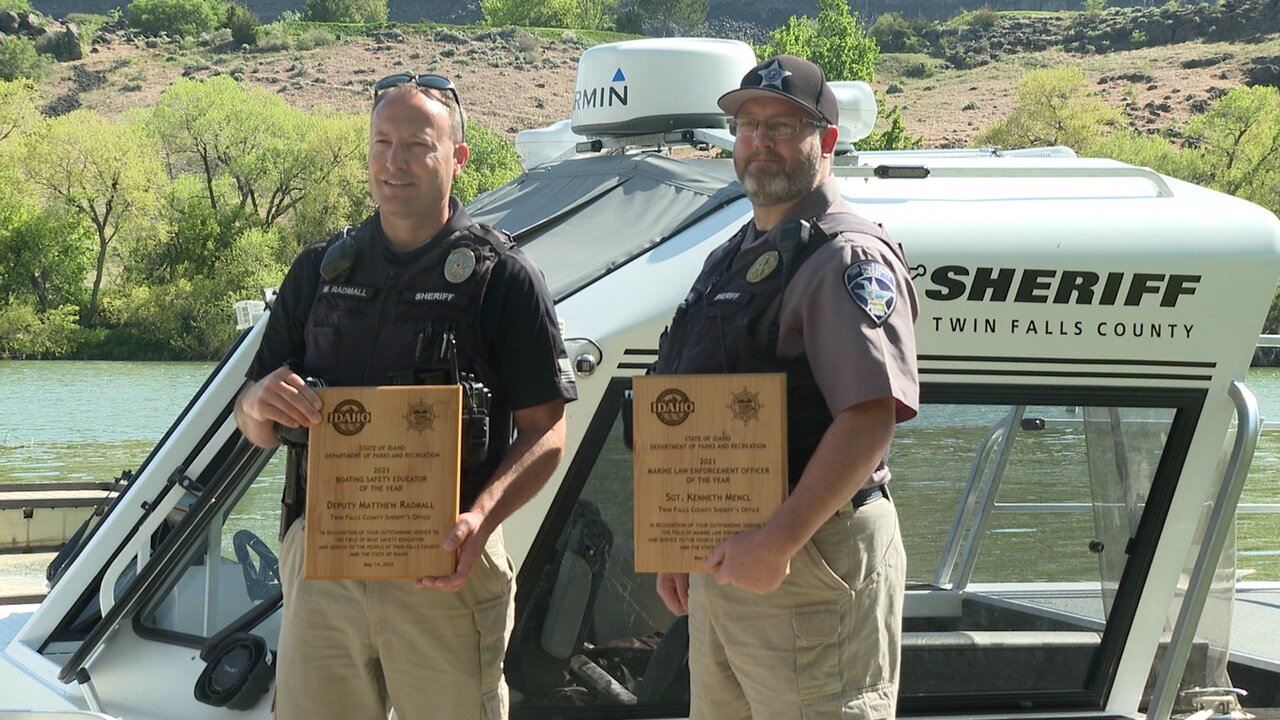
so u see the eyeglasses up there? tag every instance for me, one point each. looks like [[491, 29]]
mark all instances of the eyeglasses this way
[[430, 81], [776, 128]]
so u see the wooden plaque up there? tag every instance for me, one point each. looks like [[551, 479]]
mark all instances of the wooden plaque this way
[[382, 482], [710, 462]]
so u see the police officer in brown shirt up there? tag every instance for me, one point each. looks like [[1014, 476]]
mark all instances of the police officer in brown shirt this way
[[801, 618]]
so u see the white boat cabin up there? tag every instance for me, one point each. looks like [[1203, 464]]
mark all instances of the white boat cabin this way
[[1065, 492]]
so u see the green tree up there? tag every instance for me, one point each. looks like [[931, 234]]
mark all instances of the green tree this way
[[493, 162], [15, 5], [835, 41], [186, 18], [341, 197], [576, 14], [373, 12], [192, 240], [893, 134], [19, 59], [672, 15], [1240, 141], [47, 254], [1054, 107], [273, 155], [189, 316], [18, 114], [106, 173], [243, 24], [24, 333], [1151, 151], [893, 34], [589, 14]]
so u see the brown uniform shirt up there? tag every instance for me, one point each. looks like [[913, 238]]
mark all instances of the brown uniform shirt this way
[[853, 358]]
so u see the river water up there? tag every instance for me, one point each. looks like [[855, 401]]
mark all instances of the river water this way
[[88, 421]]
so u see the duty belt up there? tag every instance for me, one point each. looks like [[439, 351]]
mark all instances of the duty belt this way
[[866, 495]]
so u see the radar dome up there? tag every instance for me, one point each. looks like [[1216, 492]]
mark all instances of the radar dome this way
[[649, 86]]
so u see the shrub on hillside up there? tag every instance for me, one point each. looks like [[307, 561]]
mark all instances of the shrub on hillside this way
[[19, 59], [983, 17], [346, 11], [15, 5], [577, 14], [629, 20], [673, 17], [242, 23], [314, 37], [185, 18], [493, 162], [895, 35]]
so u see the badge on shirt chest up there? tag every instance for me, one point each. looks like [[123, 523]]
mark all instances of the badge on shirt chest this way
[[763, 267], [460, 264], [872, 286]]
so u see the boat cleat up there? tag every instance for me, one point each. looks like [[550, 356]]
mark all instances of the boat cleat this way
[[1215, 703]]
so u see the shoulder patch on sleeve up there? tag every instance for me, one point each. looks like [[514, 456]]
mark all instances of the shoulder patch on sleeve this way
[[872, 287]]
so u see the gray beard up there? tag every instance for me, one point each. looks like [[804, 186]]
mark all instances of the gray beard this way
[[768, 188]]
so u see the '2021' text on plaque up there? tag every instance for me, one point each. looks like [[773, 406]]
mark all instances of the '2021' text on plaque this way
[[382, 482], [710, 462]]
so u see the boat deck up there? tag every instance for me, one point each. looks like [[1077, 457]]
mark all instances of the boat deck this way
[[22, 577], [1255, 630], [74, 495], [36, 517]]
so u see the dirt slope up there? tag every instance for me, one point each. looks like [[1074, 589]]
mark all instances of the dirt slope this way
[[511, 80]]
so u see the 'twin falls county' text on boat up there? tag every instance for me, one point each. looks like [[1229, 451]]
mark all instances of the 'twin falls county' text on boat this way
[[1065, 491]]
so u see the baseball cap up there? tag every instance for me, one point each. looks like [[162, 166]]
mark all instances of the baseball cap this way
[[790, 77]]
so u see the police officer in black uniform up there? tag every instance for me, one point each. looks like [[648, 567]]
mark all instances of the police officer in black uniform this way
[[417, 293]]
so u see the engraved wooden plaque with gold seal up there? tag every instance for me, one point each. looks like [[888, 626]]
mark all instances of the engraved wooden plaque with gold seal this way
[[710, 462], [383, 468]]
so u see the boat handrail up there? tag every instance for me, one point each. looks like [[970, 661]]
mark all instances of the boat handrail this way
[[951, 548], [969, 558], [1217, 529]]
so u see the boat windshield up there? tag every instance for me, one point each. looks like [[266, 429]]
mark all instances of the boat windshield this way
[[578, 221]]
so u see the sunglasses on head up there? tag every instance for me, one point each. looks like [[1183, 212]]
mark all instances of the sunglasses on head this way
[[430, 81]]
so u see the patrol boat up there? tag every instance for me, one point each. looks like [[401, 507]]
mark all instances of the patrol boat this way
[[1065, 492]]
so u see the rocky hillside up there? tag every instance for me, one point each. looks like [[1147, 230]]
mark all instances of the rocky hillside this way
[[1141, 61], [988, 37], [761, 13]]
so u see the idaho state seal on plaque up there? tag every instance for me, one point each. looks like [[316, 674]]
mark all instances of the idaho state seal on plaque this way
[[745, 406]]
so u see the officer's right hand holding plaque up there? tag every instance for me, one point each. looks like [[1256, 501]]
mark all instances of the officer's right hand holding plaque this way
[[710, 462]]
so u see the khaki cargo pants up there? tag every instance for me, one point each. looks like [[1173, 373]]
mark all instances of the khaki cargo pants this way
[[353, 649], [824, 645]]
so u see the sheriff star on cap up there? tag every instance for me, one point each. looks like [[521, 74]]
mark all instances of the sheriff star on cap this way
[[773, 76], [790, 78]]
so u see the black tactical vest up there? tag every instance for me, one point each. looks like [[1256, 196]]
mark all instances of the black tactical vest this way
[[374, 324], [729, 324]]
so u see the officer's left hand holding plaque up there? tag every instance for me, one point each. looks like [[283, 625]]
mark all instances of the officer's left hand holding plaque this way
[[382, 482]]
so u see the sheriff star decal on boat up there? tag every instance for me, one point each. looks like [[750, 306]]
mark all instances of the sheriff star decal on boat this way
[[872, 288]]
